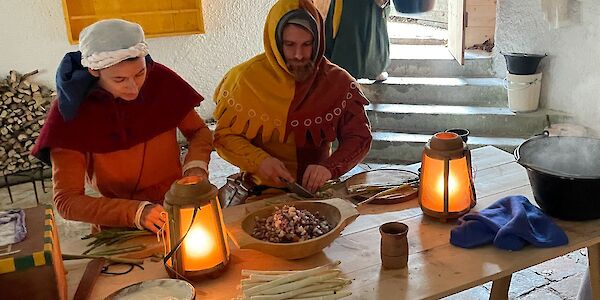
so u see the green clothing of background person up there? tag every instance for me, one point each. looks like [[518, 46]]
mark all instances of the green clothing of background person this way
[[357, 37]]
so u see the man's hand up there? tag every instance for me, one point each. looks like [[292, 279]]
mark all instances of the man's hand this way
[[273, 169], [314, 177], [196, 172], [153, 217]]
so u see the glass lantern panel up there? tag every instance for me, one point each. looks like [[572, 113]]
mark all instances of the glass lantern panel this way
[[202, 247], [216, 206], [432, 185]]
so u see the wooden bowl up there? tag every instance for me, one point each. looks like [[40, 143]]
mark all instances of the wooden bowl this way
[[338, 212]]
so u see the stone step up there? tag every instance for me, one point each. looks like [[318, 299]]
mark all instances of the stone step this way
[[416, 34], [437, 90], [436, 60], [482, 121], [404, 148]]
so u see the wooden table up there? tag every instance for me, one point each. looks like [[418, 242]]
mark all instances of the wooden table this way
[[435, 268]]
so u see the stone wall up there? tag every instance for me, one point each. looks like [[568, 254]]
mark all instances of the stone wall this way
[[572, 69], [33, 36]]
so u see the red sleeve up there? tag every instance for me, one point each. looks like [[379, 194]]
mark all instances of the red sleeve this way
[[354, 138]]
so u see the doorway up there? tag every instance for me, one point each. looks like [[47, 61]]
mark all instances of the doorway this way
[[458, 24]]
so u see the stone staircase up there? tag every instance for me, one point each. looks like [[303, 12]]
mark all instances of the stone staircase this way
[[429, 92]]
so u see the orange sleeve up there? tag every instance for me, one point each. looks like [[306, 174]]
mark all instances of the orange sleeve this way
[[199, 137], [68, 176]]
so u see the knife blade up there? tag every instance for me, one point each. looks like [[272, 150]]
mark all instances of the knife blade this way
[[88, 280], [297, 189]]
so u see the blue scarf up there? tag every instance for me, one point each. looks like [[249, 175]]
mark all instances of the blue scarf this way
[[73, 83]]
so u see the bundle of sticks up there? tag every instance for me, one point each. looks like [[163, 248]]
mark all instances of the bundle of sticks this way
[[366, 193], [320, 283], [368, 188]]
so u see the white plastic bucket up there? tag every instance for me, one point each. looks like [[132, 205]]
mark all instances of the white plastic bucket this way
[[523, 91]]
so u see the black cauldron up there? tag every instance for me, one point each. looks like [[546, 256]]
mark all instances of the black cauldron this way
[[522, 63], [564, 173]]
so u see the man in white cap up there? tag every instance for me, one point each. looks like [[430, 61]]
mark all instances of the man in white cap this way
[[113, 127]]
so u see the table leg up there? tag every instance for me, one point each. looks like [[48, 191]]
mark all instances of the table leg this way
[[42, 178], [500, 288], [594, 262], [8, 188], [37, 199]]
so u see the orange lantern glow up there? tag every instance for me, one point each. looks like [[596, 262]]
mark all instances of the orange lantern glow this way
[[196, 240], [446, 189]]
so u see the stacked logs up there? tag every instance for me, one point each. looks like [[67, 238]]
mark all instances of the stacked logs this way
[[23, 107]]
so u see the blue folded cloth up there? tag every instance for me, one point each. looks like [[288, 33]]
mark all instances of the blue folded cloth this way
[[510, 223]]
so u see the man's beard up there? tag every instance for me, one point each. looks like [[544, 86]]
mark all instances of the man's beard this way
[[301, 71]]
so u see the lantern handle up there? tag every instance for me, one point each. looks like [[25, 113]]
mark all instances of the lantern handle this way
[[172, 252], [517, 151]]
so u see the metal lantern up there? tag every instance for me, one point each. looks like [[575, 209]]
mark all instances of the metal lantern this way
[[446, 182], [196, 240]]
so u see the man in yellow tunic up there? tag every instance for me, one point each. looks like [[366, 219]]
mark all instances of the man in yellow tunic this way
[[278, 113]]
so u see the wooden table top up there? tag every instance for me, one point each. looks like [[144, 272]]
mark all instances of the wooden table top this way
[[435, 267]]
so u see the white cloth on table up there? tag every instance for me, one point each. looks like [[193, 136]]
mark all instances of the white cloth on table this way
[[12, 226]]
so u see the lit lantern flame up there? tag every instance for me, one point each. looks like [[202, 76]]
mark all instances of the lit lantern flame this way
[[200, 250], [432, 197], [199, 243], [202, 236]]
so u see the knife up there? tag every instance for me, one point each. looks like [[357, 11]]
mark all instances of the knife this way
[[92, 271], [297, 189]]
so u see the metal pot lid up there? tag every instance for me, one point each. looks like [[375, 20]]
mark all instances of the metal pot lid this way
[[563, 156], [518, 54]]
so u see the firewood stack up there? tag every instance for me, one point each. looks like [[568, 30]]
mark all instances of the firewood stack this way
[[23, 107]]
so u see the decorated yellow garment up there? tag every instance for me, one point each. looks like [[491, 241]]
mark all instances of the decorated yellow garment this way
[[262, 111]]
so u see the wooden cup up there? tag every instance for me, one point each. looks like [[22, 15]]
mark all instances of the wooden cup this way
[[394, 245]]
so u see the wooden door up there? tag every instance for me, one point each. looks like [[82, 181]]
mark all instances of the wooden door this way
[[481, 22], [456, 29]]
